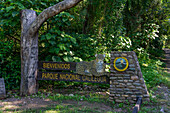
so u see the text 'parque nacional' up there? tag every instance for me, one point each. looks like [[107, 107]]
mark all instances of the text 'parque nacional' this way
[[60, 76]]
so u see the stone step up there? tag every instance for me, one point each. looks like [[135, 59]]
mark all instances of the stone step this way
[[166, 50], [167, 70], [167, 61], [167, 55], [168, 66]]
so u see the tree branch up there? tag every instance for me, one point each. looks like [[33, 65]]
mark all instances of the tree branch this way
[[13, 38], [50, 12]]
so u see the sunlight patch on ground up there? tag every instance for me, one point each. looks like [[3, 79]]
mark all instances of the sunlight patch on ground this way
[[47, 99], [13, 103], [52, 111], [9, 107], [34, 105]]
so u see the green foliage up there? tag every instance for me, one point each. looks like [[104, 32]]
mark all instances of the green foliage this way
[[123, 43], [148, 40], [9, 65], [152, 72], [144, 21], [95, 26], [121, 105]]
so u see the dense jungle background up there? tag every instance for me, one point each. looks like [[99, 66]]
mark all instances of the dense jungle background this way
[[93, 26]]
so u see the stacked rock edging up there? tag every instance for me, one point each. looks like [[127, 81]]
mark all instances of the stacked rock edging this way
[[129, 84]]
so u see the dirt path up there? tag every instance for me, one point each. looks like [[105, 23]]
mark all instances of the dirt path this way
[[38, 103], [160, 101]]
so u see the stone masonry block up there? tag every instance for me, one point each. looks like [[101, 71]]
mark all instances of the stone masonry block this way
[[128, 84], [113, 78], [134, 77]]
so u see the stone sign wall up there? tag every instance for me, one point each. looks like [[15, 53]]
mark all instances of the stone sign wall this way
[[126, 79], [2, 89]]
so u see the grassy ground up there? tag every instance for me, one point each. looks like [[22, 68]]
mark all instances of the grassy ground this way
[[84, 101]]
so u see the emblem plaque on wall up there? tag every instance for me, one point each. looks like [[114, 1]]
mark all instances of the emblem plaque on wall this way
[[121, 63]]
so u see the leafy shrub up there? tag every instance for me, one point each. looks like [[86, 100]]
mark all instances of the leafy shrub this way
[[9, 65], [152, 72], [148, 40]]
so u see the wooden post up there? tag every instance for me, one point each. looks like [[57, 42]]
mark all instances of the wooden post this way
[[29, 54], [138, 104]]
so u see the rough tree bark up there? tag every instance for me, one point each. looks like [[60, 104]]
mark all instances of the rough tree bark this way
[[30, 24], [29, 54]]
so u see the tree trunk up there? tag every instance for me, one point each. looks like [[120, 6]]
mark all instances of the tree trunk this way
[[29, 54], [30, 24]]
